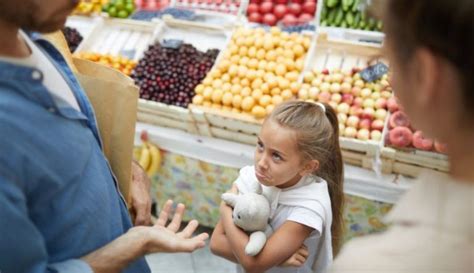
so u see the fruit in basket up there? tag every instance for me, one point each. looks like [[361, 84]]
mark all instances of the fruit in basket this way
[[73, 38], [399, 119], [148, 155], [347, 14], [401, 137], [422, 143], [440, 147], [172, 75], [392, 105], [120, 8], [262, 67], [120, 63], [301, 11], [377, 125], [89, 7]]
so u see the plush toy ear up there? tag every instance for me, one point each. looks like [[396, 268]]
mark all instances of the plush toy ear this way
[[230, 198]]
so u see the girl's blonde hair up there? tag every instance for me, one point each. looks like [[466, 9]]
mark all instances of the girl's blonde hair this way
[[317, 132]]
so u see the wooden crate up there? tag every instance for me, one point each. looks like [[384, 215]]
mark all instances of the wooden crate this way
[[166, 115], [411, 162], [226, 125]]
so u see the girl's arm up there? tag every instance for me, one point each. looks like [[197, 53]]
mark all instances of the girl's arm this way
[[284, 242], [220, 245]]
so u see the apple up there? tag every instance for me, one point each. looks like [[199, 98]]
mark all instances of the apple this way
[[401, 137], [368, 103], [346, 88], [305, 18], [365, 93], [358, 101], [294, 8], [325, 87], [421, 142], [280, 10], [353, 121], [313, 93], [269, 19], [399, 119], [392, 105], [381, 114], [297, 1], [356, 111], [255, 17], [336, 97], [324, 97], [363, 134], [356, 91], [309, 7], [365, 123], [350, 132], [281, 2], [381, 103], [325, 71], [348, 98], [376, 135], [440, 147], [289, 20], [255, 1], [252, 8], [316, 82], [342, 127], [266, 7], [386, 94], [333, 104], [342, 118], [335, 87], [359, 83], [377, 125], [375, 95], [368, 113], [343, 108]]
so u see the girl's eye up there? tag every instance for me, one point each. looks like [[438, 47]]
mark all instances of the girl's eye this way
[[276, 157], [259, 146]]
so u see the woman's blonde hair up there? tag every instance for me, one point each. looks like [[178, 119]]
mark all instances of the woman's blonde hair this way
[[317, 132]]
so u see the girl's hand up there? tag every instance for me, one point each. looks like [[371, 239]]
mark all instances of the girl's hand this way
[[297, 259]]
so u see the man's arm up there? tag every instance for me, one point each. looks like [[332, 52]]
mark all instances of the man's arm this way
[[220, 245], [141, 199]]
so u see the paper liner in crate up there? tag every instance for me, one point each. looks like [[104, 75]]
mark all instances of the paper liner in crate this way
[[227, 125], [203, 38]]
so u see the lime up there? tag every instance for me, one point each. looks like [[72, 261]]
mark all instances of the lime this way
[[105, 7], [122, 14], [130, 8], [112, 12]]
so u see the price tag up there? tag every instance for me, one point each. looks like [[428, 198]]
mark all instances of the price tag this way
[[374, 72], [172, 43]]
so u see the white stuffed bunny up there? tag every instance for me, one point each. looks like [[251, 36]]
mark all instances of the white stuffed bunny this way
[[251, 212]]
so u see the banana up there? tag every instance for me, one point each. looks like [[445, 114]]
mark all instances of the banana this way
[[155, 160], [145, 156]]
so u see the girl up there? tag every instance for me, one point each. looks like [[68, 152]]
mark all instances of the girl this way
[[299, 165]]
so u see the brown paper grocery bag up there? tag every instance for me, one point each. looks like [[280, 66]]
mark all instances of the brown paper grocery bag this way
[[114, 98]]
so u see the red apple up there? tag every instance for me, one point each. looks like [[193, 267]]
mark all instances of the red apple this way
[[280, 10], [255, 17], [368, 113], [297, 1], [401, 137], [266, 7], [252, 8], [347, 98], [269, 19], [254, 1], [356, 91], [365, 124], [283, 2], [392, 105], [381, 103], [305, 18], [358, 101], [399, 119], [377, 125], [289, 20], [356, 111], [353, 121], [440, 147], [422, 143], [309, 7], [324, 97], [294, 8]]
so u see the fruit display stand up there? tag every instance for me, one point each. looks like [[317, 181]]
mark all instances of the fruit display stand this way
[[196, 170], [341, 55], [345, 33], [285, 13], [203, 38]]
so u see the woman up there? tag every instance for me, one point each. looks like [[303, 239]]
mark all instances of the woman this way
[[429, 45]]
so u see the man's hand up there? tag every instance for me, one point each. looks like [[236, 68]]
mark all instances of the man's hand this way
[[168, 239], [141, 198], [297, 259]]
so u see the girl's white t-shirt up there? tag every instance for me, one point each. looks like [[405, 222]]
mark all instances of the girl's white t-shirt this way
[[299, 203]]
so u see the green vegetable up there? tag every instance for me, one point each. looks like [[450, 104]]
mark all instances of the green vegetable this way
[[349, 18], [355, 6], [344, 24], [324, 14], [339, 17], [372, 23], [356, 20], [331, 16], [332, 3], [324, 23], [347, 4]]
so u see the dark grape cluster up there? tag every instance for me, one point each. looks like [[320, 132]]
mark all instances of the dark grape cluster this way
[[73, 38], [169, 75]]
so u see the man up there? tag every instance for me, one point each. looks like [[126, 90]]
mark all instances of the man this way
[[60, 209]]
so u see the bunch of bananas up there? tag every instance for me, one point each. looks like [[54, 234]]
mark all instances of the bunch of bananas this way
[[149, 157], [88, 7]]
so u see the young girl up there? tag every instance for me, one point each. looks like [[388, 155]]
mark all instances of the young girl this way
[[299, 165]]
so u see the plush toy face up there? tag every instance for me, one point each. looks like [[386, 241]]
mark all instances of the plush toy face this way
[[251, 210]]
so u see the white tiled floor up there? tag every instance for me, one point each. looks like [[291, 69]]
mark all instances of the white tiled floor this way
[[200, 261]]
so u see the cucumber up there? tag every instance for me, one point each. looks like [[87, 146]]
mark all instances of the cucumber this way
[[324, 14], [331, 16], [344, 24], [332, 3], [349, 18], [324, 23], [356, 20], [339, 17], [355, 6]]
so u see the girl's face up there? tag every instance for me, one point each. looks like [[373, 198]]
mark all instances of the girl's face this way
[[277, 159]]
